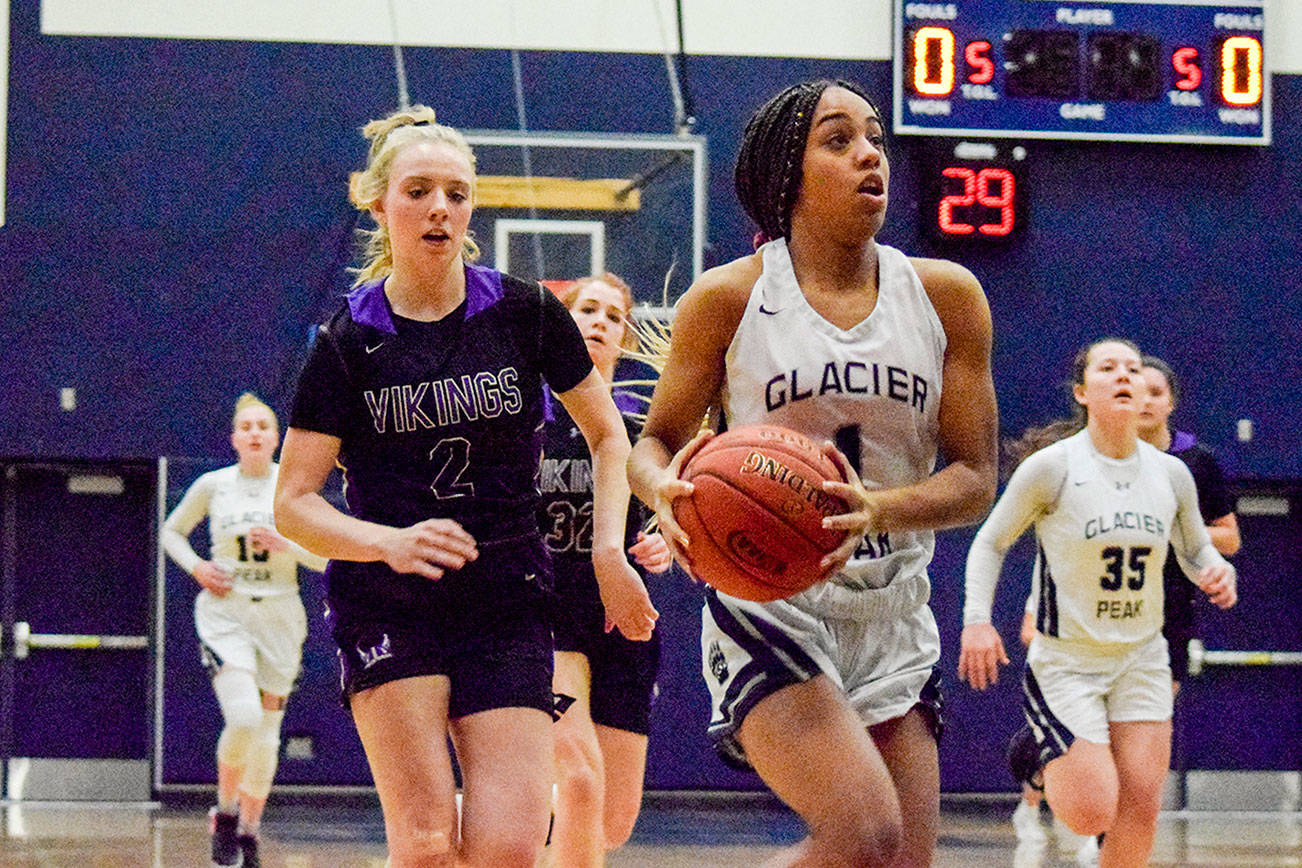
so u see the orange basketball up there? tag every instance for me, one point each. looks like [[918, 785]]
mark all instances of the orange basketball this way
[[755, 517]]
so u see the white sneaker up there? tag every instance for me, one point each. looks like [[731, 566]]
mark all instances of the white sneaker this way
[[1030, 855], [1087, 855], [1084, 849], [1026, 823]]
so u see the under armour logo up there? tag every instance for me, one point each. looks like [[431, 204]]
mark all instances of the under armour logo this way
[[1122, 485], [376, 653]]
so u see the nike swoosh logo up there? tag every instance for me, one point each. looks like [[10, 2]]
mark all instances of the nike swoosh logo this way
[[370, 350], [1082, 482], [765, 310]]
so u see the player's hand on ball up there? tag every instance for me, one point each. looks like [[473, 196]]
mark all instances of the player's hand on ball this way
[[264, 539], [858, 520], [652, 552], [1220, 584], [627, 604], [213, 578], [670, 487], [981, 653], [428, 548]]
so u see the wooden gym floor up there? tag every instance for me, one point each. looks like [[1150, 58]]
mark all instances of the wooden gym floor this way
[[674, 830]]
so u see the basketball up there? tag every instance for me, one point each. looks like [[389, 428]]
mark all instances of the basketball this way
[[755, 516]]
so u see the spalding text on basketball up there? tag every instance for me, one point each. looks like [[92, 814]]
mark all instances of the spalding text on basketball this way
[[770, 468]]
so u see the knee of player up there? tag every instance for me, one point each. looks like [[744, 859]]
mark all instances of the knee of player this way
[[238, 698], [243, 718], [234, 744], [578, 765], [580, 783], [1086, 816], [269, 723], [618, 826], [875, 843]]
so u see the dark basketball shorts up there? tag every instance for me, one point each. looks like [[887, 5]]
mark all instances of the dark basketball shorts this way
[[486, 626], [623, 671]]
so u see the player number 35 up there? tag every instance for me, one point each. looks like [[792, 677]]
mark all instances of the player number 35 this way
[[1116, 562]]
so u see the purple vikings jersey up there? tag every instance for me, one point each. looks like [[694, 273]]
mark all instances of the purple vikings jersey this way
[[566, 486], [440, 419]]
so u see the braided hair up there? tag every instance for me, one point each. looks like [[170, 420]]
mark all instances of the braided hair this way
[[768, 173]]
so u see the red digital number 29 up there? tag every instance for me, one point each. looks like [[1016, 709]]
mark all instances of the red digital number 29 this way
[[976, 191]]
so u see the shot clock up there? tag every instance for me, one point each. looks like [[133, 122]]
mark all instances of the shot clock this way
[[1119, 70], [970, 192]]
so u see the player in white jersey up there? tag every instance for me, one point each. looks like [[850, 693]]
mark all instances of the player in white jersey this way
[[831, 695], [249, 618], [1097, 687]]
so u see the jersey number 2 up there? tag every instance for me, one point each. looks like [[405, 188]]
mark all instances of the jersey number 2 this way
[[451, 457]]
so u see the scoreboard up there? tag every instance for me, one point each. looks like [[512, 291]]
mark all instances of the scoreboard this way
[[1115, 70]]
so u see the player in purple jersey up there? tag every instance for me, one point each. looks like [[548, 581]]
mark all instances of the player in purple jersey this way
[[1213, 502], [601, 740], [427, 389]]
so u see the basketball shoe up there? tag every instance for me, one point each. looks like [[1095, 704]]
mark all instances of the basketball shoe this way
[[1026, 823], [1082, 849], [225, 843], [249, 850]]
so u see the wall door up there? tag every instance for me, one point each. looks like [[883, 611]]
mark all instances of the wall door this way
[[78, 563]]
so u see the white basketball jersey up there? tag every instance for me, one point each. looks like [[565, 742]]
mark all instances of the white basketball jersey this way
[[235, 504], [1104, 542], [873, 389]]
